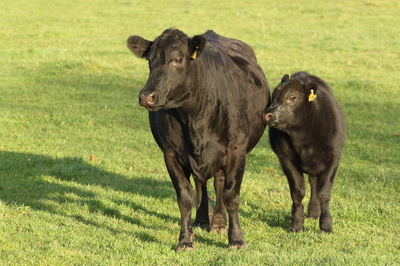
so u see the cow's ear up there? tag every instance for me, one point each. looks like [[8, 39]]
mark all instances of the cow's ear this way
[[311, 91], [285, 78], [196, 45], [139, 46]]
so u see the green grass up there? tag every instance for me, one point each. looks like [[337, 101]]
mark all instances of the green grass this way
[[83, 182]]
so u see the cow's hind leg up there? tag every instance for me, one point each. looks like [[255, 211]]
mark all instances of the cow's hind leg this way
[[202, 213], [185, 196], [219, 223], [314, 206]]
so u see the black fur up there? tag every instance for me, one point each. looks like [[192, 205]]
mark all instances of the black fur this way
[[307, 136], [205, 117]]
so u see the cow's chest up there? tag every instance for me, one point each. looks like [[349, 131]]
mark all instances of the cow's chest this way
[[209, 139], [310, 163]]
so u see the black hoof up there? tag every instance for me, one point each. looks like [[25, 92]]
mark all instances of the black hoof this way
[[184, 247], [238, 245]]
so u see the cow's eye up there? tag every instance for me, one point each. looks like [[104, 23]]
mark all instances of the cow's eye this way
[[177, 61]]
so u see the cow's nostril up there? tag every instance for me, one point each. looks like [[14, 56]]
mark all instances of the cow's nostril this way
[[147, 101], [151, 99], [267, 117]]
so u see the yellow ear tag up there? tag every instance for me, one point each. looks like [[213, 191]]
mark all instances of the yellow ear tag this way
[[312, 96], [194, 55]]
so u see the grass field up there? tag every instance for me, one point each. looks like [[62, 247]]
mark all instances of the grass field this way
[[82, 181]]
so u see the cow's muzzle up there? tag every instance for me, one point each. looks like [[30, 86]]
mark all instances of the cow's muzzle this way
[[147, 101]]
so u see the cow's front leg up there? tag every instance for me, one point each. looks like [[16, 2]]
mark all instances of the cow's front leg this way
[[231, 196], [185, 196], [185, 202]]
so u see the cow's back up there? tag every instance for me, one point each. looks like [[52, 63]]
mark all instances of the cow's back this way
[[232, 47], [251, 83]]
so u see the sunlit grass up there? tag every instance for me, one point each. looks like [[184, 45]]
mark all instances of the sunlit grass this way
[[83, 182]]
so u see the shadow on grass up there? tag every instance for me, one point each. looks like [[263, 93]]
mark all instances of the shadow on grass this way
[[277, 218], [46, 184], [55, 184]]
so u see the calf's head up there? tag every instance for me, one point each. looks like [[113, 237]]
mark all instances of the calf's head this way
[[291, 102], [170, 57]]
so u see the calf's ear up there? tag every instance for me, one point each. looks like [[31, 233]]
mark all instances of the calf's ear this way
[[285, 78], [196, 45], [139, 46], [311, 91]]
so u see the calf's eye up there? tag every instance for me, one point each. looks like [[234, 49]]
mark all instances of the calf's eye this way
[[291, 99]]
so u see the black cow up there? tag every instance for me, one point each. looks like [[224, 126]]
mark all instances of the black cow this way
[[307, 133], [207, 94]]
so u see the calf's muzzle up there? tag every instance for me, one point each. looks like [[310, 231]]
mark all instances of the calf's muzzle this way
[[267, 117]]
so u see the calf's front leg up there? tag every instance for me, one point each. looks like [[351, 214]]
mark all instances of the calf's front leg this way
[[324, 189], [297, 192], [314, 206]]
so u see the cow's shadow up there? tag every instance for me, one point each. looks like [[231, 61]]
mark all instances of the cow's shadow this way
[[278, 218], [44, 183]]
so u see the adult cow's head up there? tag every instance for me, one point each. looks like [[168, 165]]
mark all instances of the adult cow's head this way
[[170, 57]]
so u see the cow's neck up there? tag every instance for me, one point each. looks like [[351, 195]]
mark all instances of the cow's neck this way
[[205, 114], [202, 116], [198, 98]]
